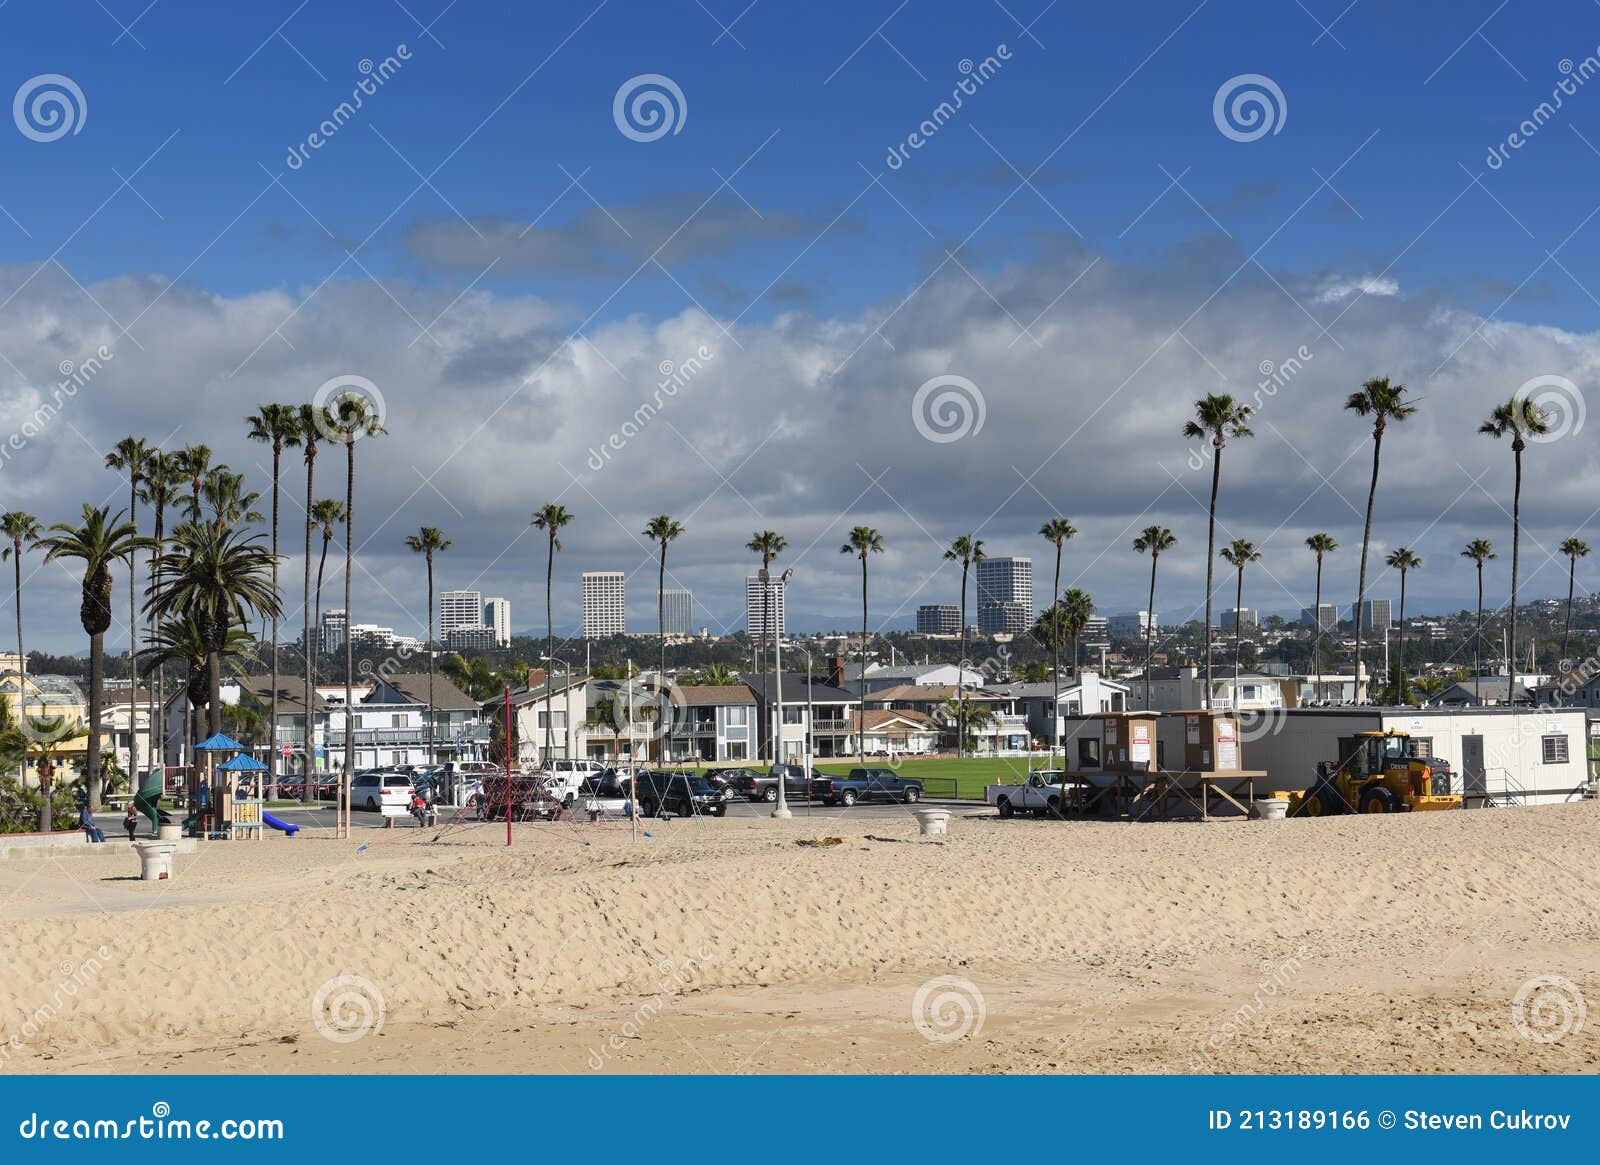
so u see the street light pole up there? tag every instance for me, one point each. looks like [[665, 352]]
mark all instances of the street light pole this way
[[550, 709], [782, 808], [811, 721]]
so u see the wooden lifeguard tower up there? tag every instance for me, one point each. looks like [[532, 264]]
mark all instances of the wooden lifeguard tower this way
[[1136, 778]]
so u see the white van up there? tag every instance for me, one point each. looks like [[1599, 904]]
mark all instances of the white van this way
[[562, 778]]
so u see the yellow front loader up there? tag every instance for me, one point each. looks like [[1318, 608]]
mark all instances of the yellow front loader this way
[[1378, 776]]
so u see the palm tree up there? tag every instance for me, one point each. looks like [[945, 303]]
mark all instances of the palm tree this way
[[162, 480], [278, 426], [102, 539], [1574, 548], [22, 531], [1519, 418], [662, 530], [716, 675], [1217, 416], [1074, 610], [1238, 555], [1319, 544], [768, 544], [182, 639], [967, 720], [313, 422], [1385, 403], [326, 513], [1056, 531], [966, 550], [225, 496], [1155, 541], [550, 518], [219, 577], [1480, 550], [353, 417], [194, 463], [134, 457], [1403, 560], [473, 676], [862, 541], [428, 541]]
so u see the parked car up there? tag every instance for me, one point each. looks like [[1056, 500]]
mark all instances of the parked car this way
[[604, 793], [687, 794], [866, 785], [373, 790], [530, 800], [1046, 791], [757, 785]]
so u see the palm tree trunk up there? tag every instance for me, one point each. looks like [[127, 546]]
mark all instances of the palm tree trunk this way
[[1055, 669], [91, 752], [549, 645], [349, 639], [1366, 541], [861, 737], [272, 731], [214, 690], [661, 627], [1400, 666], [322, 565], [1516, 547], [1477, 644], [1211, 555], [1316, 628], [961, 673], [766, 642], [22, 656], [431, 749], [1566, 633], [1150, 630], [1238, 651], [307, 651], [158, 703], [133, 640]]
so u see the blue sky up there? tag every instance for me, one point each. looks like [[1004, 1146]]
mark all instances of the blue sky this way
[[482, 241]]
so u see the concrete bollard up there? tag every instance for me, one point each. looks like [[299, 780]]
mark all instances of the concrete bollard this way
[[1271, 808], [933, 822], [155, 859], [169, 832]]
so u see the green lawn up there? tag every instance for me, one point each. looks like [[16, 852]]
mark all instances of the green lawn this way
[[948, 776]]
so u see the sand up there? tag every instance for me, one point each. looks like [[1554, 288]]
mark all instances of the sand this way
[[1391, 944]]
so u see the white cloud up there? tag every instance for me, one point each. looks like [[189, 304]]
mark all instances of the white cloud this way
[[1338, 287]]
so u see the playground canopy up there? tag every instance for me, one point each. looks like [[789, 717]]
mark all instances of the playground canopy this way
[[219, 743], [242, 764]]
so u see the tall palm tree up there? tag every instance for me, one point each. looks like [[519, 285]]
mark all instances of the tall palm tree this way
[[768, 544], [1239, 554], [21, 530], [182, 639], [862, 541], [1480, 550], [102, 539], [1074, 611], [1519, 418], [354, 417], [194, 463], [1217, 417], [313, 422], [133, 456], [220, 577], [428, 541], [966, 550], [662, 530], [277, 426], [550, 518], [1402, 559], [1154, 541], [1385, 404], [326, 513], [1056, 531], [1319, 544], [162, 480], [225, 495], [1574, 548]]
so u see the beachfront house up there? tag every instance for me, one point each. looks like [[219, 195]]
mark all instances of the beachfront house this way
[[814, 707]]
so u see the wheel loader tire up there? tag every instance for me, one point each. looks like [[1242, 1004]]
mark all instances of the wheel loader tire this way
[[1380, 799]]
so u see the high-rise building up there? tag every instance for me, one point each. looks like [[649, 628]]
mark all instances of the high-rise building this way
[[476, 637], [1130, 624], [460, 609], [1245, 617], [605, 603], [1097, 629], [677, 608], [1005, 594], [497, 617], [330, 631], [1325, 619], [1376, 614], [757, 607], [938, 619]]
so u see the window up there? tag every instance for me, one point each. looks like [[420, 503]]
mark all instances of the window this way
[[1421, 747], [738, 717], [1555, 750], [397, 720], [558, 724], [793, 715], [736, 750], [1088, 752]]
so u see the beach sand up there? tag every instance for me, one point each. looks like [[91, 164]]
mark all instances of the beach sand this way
[[1374, 944]]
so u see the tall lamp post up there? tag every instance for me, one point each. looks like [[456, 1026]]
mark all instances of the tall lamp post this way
[[549, 662], [811, 721], [782, 808]]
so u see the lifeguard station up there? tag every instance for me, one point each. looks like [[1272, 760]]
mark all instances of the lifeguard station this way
[[1127, 760]]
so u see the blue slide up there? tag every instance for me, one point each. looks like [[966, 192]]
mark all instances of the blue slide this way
[[291, 830]]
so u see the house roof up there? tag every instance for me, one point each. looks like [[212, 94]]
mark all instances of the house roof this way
[[1041, 691], [716, 694], [446, 696], [877, 719], [795, 689], [930, 694], [291, 693], [1493, 687], [534, 693]]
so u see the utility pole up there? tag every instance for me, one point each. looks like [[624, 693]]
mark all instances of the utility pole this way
[[782, 808]]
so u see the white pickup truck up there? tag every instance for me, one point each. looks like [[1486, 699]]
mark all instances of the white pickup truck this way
[[1045, 791]]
